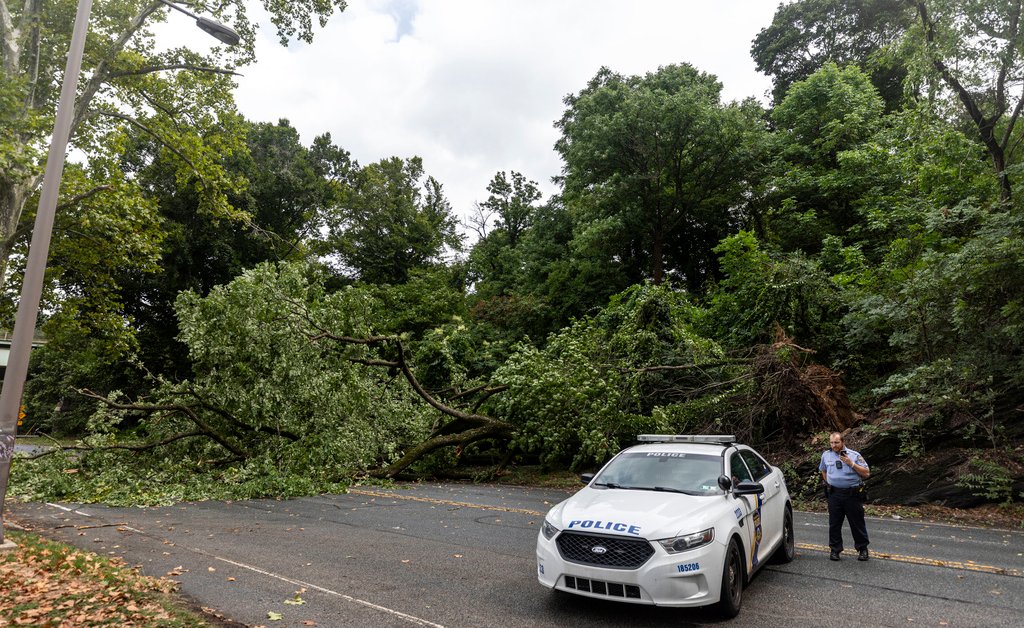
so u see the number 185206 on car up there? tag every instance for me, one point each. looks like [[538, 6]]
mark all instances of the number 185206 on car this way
[[677, 520]]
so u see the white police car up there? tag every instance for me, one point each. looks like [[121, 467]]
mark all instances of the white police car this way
[[674, 521]]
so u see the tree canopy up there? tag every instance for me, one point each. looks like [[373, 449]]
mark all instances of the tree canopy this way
[[651, 168], [806, 34], [180, 99], [393, 220]]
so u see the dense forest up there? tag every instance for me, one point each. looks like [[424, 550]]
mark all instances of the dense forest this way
[[231, 313]]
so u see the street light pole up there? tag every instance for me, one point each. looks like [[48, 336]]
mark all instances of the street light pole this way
[[39, 248], [32, 288]]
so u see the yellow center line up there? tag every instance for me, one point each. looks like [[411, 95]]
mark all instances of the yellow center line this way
[[445, 502], [933, 562], [914, 560]]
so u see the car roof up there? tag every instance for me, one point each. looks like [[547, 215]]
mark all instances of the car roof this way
[[686, 443], [714, 449]]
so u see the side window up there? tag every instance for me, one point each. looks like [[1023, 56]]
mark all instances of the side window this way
[[757, 465], [738, 469]]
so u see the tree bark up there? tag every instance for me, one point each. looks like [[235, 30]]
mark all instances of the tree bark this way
[[203, 426], [986, 125], [491, 430]]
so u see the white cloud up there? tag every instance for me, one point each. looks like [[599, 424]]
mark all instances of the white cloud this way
[[475, 86]]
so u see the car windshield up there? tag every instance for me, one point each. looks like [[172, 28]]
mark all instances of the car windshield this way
[[693, 474]]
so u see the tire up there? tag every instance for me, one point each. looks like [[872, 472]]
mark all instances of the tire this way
[[731, 595], [786, 550]]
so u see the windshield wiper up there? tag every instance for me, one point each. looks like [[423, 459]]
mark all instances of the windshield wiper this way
[[611, 485], [667, 489]]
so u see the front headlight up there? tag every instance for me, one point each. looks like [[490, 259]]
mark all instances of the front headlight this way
[[548, 530], [688, 541]]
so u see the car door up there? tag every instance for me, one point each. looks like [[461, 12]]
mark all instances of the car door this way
[[772, 501], [751, 511]]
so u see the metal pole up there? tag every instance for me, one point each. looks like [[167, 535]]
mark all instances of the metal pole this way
[[32, 288]]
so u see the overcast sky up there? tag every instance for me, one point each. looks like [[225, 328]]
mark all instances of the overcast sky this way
[[475, 86]]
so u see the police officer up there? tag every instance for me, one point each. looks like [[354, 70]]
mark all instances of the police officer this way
[[844, 472]]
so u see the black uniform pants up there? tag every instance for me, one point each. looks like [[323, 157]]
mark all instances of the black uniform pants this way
[[846, 503]]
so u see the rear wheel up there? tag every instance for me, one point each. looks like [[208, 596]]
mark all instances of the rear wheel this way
[[731, 595], [786, 550]]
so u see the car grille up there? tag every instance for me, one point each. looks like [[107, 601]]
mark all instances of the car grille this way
[[613, 589], [619, 553]]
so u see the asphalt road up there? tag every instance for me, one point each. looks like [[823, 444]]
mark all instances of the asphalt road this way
[[463, 556]]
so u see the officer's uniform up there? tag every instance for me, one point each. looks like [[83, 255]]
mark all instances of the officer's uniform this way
[[844, 499]]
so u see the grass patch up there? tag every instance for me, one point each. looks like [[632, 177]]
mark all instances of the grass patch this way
[[44, 583]]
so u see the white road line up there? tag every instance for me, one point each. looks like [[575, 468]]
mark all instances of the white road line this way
[[85, 514], [66, 509], [409, 618]]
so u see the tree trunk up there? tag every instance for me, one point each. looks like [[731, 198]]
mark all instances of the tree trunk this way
[[491, 430]]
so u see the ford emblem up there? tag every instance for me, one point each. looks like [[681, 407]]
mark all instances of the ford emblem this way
[[599, 549]]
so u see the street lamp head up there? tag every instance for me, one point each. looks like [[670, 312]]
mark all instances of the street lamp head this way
[[223, 34]]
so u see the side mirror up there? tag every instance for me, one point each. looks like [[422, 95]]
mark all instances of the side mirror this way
[[586, 477], [724, 483], [748, 487]]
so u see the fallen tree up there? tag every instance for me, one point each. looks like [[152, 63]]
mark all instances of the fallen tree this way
[[294, 393]]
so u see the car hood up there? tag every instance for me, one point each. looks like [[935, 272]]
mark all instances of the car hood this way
[[627, 512]]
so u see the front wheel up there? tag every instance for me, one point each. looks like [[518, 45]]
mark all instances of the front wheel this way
[[786, 550], [731, 595]]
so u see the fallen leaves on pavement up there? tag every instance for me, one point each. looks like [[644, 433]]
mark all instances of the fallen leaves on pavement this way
[[297, 600], [49, 584]]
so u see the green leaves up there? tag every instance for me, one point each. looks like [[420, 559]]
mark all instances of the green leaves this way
[[273, 409], [502, 221], [975, 51], [294, 18], [663, 163], [830, 111], [759, 291], [632, 367], [136, 108], [394, 220], [958, 296], [806, 34], [811, 196]]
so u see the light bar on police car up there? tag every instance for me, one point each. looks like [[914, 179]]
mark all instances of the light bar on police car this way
[[716, 439]]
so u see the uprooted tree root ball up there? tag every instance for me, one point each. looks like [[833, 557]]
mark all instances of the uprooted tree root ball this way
[[799, 397]]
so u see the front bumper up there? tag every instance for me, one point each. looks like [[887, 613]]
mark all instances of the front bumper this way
[[691, 578]]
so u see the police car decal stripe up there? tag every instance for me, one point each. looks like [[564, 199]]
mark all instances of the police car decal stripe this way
[[757, 532]]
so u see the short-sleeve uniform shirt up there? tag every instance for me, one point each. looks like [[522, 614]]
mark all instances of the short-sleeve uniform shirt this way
[[838, 473]]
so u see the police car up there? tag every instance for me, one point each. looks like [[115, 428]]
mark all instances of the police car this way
[[674, 521]]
